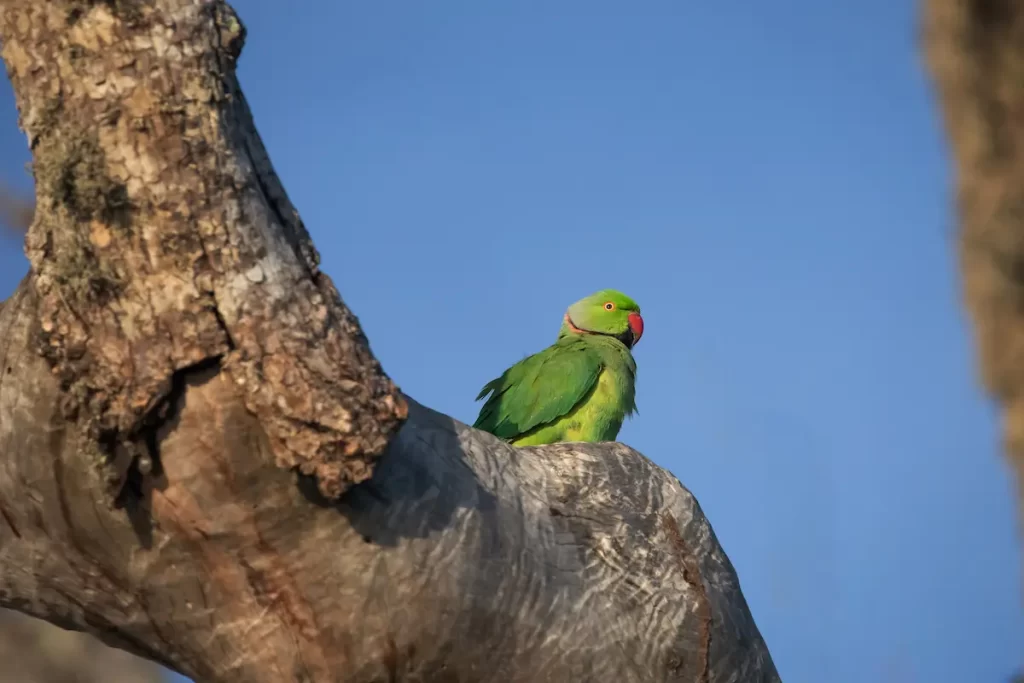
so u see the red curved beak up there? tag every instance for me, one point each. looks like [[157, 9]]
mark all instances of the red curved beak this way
[[636, 326]]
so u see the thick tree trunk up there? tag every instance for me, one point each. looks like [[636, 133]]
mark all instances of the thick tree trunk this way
[[975, 52], [190, 418], [163, 241]]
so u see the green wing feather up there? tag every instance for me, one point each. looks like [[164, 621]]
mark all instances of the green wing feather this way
[[539, 389]]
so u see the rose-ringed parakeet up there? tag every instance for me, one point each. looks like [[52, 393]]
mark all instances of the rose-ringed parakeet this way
[[578, 389]]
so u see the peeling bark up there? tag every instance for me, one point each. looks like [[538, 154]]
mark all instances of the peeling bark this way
[[975, 53], [175, 328]]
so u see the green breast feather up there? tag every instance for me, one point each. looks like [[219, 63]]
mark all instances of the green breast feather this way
[[574, 390]]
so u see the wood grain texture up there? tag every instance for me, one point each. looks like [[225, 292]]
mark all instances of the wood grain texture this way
[[273, 522]]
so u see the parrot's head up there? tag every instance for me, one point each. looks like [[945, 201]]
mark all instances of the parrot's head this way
[[607, 312]]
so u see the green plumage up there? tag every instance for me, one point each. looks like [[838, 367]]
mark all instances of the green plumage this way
[[580, 388]]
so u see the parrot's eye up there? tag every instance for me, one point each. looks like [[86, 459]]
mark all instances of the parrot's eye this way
[[609, 306]]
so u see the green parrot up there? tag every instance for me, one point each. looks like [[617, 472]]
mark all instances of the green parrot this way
[[578, 389]]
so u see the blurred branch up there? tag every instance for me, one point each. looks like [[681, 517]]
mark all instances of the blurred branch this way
[[16, 210], [32, 651], [975, 52], [193, 428]]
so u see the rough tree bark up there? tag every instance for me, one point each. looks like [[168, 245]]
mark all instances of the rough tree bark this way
[[974, 50], [190, 418]]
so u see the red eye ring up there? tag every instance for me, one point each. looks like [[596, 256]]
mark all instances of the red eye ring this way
[[609, 306]]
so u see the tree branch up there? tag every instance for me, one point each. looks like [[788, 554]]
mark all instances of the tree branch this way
[[175, 333], [16, 211], [163, 240], [975, 52]]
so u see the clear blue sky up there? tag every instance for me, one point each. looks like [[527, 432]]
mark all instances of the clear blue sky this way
[[769, 181]]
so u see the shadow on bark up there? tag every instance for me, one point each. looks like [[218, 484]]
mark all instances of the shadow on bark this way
[[407, 498]]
